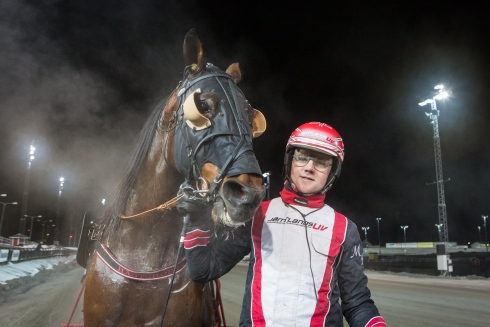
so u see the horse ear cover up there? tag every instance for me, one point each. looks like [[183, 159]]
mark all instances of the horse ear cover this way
[[259, 124]]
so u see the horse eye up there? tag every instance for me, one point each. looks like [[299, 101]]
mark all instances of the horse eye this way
[[203, 107], [208, 104]]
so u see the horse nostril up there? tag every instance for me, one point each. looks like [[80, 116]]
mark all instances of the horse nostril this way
[[237, 193]]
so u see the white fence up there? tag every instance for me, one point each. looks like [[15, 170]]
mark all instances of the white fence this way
[[4, 240]]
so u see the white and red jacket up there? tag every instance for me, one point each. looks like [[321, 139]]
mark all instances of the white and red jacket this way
[[305, 259]]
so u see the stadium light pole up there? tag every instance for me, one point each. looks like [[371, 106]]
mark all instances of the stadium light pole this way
[[439, 231], [379, 236], [485, 227], [44, 223], [47, 231], [23, 212], [433, 116], [479, 234], [4, 204], [57, 221], [404, 234], [365, 233], [267, 183], [32, 223]]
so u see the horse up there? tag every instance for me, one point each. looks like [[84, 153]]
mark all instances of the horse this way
[[196, 143]]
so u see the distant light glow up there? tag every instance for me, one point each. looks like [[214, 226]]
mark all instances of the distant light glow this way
[[31, 152], [439, 96]]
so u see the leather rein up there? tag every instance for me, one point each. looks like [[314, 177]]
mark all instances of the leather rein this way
[[165, 206]]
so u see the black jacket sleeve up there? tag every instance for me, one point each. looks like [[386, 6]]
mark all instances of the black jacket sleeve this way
[[357, 306], [223, 249]]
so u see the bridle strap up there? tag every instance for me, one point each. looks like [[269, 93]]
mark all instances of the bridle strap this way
[[187, 83]]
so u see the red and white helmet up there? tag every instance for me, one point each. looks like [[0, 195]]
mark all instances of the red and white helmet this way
[[318, 137]]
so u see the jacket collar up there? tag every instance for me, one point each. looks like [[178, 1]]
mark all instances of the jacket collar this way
[[312, 201]]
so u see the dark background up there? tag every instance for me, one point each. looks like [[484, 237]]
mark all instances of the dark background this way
[[80, 78]]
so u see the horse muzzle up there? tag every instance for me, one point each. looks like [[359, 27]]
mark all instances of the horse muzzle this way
[[238, 201]]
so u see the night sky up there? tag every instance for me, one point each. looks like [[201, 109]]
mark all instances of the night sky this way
[[80, 78]]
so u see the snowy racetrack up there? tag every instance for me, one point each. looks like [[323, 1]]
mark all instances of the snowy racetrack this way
[[46, 299]]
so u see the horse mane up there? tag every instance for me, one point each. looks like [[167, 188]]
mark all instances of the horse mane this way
[[139, 152]]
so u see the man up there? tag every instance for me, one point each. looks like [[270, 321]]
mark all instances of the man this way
[[305, 257]]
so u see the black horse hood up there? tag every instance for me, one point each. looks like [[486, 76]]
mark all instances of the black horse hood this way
[[227, 139]]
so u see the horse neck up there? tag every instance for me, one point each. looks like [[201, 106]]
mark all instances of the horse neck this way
[[155, 233]]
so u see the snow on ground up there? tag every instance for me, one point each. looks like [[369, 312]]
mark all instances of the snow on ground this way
[[11, 270]]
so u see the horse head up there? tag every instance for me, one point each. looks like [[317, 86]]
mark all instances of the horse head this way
[[212, 144]]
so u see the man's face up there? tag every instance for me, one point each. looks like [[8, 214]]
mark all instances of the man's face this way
[[310, 170]]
